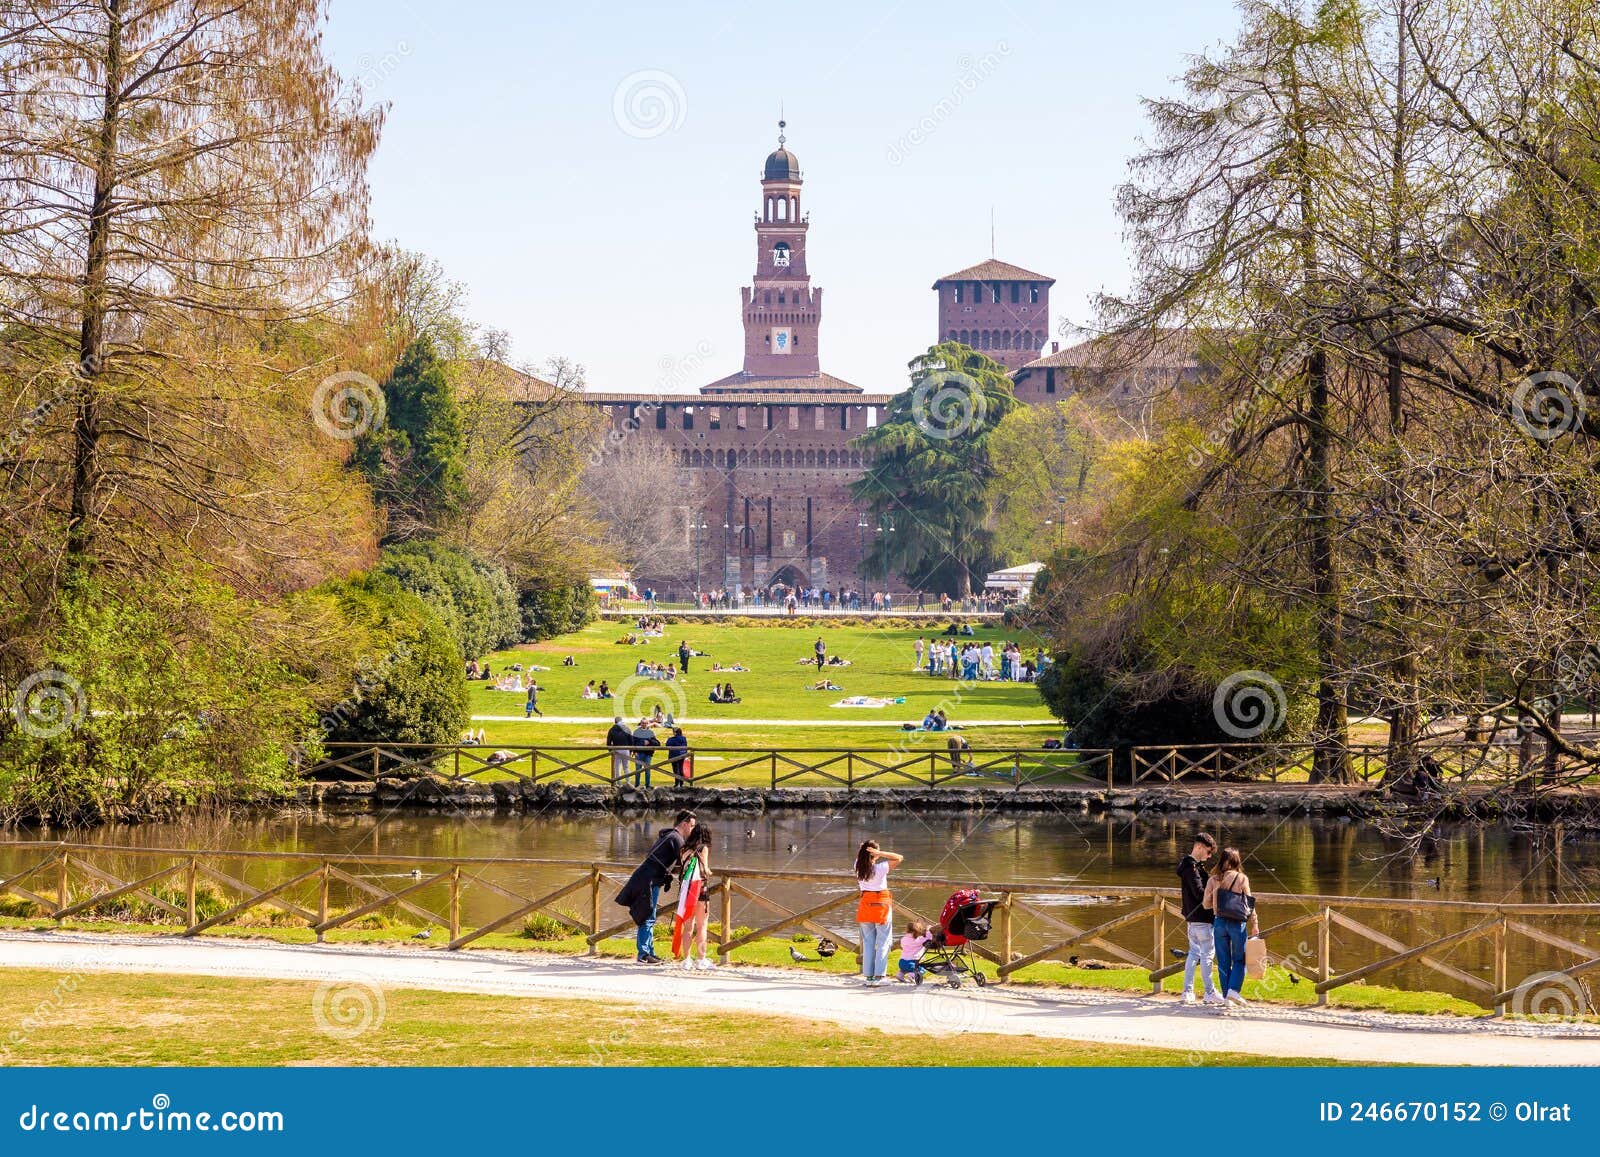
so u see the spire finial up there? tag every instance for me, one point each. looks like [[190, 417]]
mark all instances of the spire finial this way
[[782, 124]]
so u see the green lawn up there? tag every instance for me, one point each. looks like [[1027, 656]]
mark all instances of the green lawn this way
[[774, 688], [122, 1019]]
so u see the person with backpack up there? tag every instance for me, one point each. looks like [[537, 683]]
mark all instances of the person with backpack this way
[[1200, 920], [1228, 895], [641, 894]]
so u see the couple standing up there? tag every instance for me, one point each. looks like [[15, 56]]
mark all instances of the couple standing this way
[[683, 850], [1220, 911]]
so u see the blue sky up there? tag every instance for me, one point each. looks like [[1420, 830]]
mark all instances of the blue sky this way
[[590, 171]]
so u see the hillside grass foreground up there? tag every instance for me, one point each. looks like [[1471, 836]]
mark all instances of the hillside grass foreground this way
[[123, 1019]]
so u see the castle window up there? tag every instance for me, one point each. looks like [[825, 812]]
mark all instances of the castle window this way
[[1016, 292], [977, 292], [1033, 294], [739, 418], [766, 417], [958, 293], [766, 297], [716, 417], [780, 254], [872, 416], [780, 297], [844, 417], [817, 418], [688, 417], [1050, 380], [794, 417], [994, 293], [661, 417]]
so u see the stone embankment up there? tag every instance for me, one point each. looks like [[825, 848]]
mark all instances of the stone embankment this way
[[1573, 808]]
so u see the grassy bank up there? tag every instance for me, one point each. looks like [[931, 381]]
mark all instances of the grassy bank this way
[[189, 1020], [1279, 987]]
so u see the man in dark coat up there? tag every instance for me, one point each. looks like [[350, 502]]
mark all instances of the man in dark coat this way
[[619, 739], [642, 892], [1202, 943]]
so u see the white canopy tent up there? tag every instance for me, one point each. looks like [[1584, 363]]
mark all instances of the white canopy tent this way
[[1017, 580]]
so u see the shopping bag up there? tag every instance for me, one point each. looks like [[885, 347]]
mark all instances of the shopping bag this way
[[1255, 958]]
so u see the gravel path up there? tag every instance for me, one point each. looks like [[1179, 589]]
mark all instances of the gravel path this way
[[1068, 1015]]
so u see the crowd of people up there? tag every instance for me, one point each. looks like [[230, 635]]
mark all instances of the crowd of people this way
[[974, 661], [1218, 906], [826, 599]]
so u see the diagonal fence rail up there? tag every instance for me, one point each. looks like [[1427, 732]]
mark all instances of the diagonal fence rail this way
[[1335, 941]]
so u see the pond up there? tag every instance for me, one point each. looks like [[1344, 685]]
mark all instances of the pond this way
[[1301, 856]]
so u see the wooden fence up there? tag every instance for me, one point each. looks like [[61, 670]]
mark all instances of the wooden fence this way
[[848, 767], [852, 767], [71, 879]]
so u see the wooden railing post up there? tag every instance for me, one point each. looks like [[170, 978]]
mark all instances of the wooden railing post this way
[[322, 898], [727, 920], [1005, 931], [1016, 771], [193, 871], [376, 762], [594, 908], [1158, 939], [455, 901], [1501, 979], [1324, 951], [61, 884]]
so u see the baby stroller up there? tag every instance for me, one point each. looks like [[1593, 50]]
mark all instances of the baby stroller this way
[[965, 919]]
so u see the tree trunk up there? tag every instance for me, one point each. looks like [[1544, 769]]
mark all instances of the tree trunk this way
[[1331, 757], [91, 337]]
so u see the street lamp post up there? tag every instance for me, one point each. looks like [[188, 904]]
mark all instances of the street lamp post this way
[[700, 528], [861, 564]]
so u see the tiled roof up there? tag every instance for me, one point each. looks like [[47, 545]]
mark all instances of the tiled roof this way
[[742, 398], [742, 382], [992, 270], [1154, 349]]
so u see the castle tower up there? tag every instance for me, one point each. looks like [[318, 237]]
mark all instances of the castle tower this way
[[998, 308], [782, 313]]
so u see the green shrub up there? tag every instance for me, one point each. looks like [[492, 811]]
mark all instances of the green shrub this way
[[404, 680], [17, 908], [542, 927], [558, 609]]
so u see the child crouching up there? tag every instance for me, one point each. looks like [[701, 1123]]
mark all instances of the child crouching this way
[[912, 945]]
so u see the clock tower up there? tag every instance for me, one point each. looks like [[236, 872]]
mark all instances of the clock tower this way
[[782, 312]]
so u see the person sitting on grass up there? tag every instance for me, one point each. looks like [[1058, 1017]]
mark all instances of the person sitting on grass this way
[[723, 694], [590, 691], [605, 690]]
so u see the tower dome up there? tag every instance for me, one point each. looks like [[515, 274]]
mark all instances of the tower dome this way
[[782, 165]]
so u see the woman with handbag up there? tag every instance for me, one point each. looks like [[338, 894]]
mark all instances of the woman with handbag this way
[[874, 911], [1228, 895]]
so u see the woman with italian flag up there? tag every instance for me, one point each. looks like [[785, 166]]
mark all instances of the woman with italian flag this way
[[694, 905]]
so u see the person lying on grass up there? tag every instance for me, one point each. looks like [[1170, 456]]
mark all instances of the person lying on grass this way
[[825, 685]]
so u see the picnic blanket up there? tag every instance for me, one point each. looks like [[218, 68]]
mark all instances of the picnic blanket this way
[[866, 701]]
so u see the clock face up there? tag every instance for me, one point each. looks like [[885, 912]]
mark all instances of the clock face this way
[[780, 255]]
